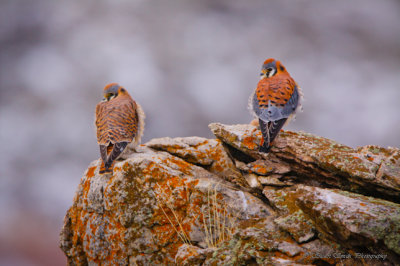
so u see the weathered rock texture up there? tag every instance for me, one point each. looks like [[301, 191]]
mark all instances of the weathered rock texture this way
[[197, 201]]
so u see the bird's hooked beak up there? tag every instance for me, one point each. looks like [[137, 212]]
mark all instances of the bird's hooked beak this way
[[267, 72], [109, 97], [263, 73]]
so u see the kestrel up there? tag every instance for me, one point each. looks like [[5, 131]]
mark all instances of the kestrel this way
[[275, 100], [119, 123]]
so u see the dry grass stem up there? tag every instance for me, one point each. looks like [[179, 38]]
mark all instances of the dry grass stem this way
[[218, 222], [161, 198]]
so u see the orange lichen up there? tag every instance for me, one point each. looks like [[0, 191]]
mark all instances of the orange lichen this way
[[164, 233], [85, 190], [218, 168], [184, 166], [261, 169], [249, 142], [90, 171], [279, 254]]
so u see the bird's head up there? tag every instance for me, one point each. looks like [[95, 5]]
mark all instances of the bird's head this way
[[271, 67], [111, 91]]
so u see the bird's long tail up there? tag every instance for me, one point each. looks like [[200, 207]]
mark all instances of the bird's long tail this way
[[104, 152], [109, 154], [117, 149], [269, 132]]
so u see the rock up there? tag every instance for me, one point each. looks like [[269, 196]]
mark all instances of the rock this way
[[292, 218], [352, 219], [186, 201], [245, 138], [389, 164], [143, 213], [289, 249], [273, 180], [297, 225], [269, 167], [371, 170], [318, 251], [191, 255], [281, 199], [264, 244], [208, 153], [252, 181]]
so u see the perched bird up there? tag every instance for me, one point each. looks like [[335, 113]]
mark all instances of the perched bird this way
[[275, 100], [119, 123]]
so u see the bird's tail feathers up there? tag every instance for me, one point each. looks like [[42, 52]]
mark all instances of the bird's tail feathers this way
[[270, 131], [109, 154], [265, 141], [118, 148]]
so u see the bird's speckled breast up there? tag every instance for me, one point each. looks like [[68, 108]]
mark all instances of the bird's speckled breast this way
[[276, 90]]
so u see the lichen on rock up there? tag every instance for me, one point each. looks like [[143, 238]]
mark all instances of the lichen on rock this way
[[197, 201]]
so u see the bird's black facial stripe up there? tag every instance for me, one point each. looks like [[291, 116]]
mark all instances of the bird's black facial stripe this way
[[270, 69]]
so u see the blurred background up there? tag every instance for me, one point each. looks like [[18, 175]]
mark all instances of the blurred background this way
[[188, 63]]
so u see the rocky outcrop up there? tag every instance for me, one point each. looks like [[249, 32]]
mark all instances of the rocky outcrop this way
[[197, 201]]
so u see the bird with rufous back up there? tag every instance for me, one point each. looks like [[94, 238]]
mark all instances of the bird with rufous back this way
[[119, 124], [275, 101]]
